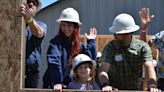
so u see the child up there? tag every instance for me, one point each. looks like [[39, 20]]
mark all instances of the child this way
[[83, 71]]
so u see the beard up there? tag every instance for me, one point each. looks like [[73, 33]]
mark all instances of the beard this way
[[120, 44]]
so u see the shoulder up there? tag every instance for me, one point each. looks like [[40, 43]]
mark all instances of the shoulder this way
[[160, 34], [72, 84], [56, 40], [109, 46], [139, 45], [82, 45], [157, 37], [108, 49], [136, 43]]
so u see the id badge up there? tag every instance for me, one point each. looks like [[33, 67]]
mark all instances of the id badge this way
[[118, 57]]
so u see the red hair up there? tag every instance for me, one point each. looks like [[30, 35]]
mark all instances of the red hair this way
[[75, 43]]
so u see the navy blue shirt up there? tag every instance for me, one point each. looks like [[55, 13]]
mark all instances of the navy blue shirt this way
[[33, 45], [57, 57]]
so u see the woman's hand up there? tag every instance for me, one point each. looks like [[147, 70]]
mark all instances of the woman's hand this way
[[92, 34], [58, 87]]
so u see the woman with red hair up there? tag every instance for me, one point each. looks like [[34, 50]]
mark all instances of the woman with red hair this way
[[64, 47]]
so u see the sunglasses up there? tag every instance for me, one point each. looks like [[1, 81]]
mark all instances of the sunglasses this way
[[35, 2], [121, 34]]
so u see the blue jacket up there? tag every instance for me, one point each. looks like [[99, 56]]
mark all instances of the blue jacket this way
[[57, 57], [33, 46]]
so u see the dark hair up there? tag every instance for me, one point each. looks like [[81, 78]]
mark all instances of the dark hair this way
[[35, 2]]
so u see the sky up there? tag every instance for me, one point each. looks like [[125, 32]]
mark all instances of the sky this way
[[47, 2]]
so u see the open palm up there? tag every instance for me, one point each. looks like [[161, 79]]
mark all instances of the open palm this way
[[145, 17], [92, 34]]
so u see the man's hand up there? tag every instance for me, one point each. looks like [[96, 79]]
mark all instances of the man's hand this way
[[24, 10], [92, 34], [153, 88], [145, 18], [109, 89]]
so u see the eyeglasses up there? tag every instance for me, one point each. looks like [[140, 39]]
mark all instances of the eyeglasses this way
[[35, 2]]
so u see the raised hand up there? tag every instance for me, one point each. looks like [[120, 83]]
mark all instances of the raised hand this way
[[92, 34], [145, 18]]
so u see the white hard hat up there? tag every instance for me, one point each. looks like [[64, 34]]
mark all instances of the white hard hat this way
[[70, 15], [81, 58], [123, 23]]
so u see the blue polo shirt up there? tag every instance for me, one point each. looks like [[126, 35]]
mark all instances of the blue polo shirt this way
[[33, 45]]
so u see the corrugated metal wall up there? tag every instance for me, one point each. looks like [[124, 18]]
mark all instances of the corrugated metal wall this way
[[99, 14]]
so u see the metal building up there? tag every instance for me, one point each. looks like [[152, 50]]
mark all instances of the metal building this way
[[99, 14]]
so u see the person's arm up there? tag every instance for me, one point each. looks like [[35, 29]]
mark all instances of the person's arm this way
[[103, 72], [35, 28], [104, 78], [54, 65], [145, 21], [150, 75], [90, 49], [106, 60]]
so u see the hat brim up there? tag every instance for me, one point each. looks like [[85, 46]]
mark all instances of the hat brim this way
[[117, 31], [88, 61], [68, 20]]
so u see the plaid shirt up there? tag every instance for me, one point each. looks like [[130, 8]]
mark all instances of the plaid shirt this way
[[158, 42], [126, 64]]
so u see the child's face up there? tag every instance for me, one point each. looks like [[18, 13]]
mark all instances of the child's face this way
[[84, 70]]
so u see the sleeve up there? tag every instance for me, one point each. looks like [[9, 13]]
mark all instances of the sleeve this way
[[54, 64], [146, 53], [44, 26], [107, 54], [96, 86], [156, 40], [70, 85], [89, 49]]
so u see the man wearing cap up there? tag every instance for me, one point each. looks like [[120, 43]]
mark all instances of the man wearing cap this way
[[123, 57], [35, 32]]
